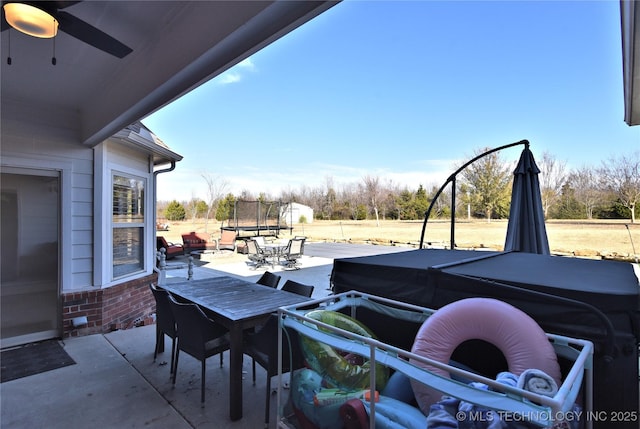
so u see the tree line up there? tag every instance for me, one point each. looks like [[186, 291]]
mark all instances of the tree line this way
[[483, 191]]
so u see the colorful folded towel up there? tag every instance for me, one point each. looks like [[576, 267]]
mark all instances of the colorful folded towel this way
[[537, 381]]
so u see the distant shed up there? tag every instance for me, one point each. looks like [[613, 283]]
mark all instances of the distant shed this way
[[292, 212]]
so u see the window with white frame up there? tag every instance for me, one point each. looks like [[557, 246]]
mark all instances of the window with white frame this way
[[128, 224]]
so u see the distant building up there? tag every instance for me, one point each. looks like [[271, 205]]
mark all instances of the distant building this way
[[292, 212]]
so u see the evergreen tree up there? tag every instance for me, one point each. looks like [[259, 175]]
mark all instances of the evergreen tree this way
[[568, 206], [404, 202], [175, 211], [421, 203], [201, 209], [225, 208]]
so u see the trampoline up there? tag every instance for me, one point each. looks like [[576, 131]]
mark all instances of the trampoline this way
[[257, 218]]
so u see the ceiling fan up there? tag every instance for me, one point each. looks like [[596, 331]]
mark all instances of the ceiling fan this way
[[66, 22]]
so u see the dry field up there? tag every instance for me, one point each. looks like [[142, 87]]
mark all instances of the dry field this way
[[592, 239]]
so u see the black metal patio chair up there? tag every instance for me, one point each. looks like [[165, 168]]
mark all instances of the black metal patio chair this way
[[269, 279], [298, 288], [262, 346], [165, 323], [198, 336]]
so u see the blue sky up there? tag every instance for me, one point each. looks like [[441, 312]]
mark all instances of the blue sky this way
[[406, 91]]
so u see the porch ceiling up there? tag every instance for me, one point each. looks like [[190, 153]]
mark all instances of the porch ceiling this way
[[630, 19], [177, 45]]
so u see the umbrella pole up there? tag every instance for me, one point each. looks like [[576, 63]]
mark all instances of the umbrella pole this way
[[635, 255], [453, 214]]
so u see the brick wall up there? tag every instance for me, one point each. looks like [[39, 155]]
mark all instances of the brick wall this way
[[116, 307]]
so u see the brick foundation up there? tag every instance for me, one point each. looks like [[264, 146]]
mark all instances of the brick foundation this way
[[116, 307]]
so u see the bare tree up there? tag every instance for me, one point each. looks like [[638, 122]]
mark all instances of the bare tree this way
[[552, 178], [351, 198], [316, 201], [247, 195], [373, 191], [305, 196], [440, 205], [389, 200], [289, 195], [622, 176], [216, 188], [191, 208], [584, 181]]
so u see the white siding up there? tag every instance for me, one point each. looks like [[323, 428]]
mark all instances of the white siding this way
[[54, 146], [114, 157], [85, 186], [127, 159]]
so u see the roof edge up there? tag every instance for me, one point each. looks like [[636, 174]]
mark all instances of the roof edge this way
[[275, 21], [140, 137]]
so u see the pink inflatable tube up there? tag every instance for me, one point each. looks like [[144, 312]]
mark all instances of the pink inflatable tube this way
[[520, 339]]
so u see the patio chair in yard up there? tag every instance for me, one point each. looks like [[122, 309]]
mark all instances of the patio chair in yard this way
[[256, 254], [293, 252], [172, 249], [227, 240], [198, 241], [301, 237], [198, 336], [269, 279]]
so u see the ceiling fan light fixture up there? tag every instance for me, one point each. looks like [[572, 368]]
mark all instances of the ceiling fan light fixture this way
[[30, 20]]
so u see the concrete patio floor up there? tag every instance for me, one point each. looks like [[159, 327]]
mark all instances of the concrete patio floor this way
[[116, 384]]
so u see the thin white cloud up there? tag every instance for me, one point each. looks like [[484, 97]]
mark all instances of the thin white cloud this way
[[247, 64], [438, 164], [183, 185], [228, 78], [234, 74]]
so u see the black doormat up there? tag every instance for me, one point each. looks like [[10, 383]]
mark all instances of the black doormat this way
[[32, 359]]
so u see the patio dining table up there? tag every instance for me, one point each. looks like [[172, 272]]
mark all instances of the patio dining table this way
[[275, 250], [237, 305]]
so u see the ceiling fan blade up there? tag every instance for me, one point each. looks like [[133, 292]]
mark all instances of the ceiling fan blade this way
[[89, 34], [61, 4], [4, 25]]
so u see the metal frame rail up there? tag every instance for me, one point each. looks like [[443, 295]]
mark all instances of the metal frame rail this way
[[521, 403]]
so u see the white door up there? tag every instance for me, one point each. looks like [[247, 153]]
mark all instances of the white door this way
[[29, 266]]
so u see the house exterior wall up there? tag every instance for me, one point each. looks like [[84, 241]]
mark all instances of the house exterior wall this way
[[85, 204], [118, 307], [54, 146], [111, 158]]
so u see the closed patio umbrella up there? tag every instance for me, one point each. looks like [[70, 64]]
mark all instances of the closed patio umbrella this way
[[526, 231]]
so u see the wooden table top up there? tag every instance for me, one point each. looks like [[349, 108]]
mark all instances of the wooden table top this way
[[234, 299], [238, 305]]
